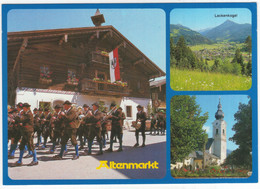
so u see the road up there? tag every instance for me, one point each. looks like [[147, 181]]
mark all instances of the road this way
[[85, 166]]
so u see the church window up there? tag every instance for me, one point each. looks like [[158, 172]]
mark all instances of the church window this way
[[216, 131], [223, 132]]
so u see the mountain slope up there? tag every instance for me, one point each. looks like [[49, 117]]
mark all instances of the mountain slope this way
[[230, 31], [191, 37]]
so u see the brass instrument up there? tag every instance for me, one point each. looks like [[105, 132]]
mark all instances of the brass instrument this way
[[108, 114], [137, 124]]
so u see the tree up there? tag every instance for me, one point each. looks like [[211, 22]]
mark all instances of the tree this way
[[187, 133], [238, 58], [248, 43], [249, 68], [241, 157]]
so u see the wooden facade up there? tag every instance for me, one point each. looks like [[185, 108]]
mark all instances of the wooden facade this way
[[48, 59], [158, 92]]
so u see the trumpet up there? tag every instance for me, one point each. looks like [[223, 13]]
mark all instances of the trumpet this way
[[108, 114]]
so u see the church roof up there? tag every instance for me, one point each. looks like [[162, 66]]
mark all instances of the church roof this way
[[209, 143], [198, 155], [219, 114]]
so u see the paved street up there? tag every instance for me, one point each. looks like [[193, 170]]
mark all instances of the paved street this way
[[85, 166]]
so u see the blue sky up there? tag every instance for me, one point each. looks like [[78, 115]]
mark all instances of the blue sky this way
[[145, 28], [230, 103], [197, 19]]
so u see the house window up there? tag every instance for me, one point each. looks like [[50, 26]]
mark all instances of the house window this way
[[154, 96], [45, 105], [72, 76], [45, 72], [128, 111], [138, 85], [102, 77]]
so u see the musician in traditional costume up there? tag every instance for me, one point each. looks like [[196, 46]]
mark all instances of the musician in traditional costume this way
[[58, 126], [117, 117], [27, 135], [70, 120], [95, 128], [46, 127], [140, 117], [16, 135]]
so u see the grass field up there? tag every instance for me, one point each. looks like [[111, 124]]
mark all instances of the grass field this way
[[189, 80]]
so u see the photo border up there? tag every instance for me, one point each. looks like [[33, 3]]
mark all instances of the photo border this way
[[167, 7]]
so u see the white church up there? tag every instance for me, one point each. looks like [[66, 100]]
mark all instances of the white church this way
[[216, 147]]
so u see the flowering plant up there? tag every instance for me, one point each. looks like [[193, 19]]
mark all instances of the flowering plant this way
[[45, 73]]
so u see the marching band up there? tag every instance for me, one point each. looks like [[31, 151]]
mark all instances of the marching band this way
[[68, 123]]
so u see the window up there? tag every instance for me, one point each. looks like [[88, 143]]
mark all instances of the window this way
[[138, 84], [128, 111], [223, 131], [102, 77], [45, 105], [72, 79], [45, 72], [216, 131], [154, 96]]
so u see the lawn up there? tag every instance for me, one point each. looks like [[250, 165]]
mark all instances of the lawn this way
[[189, 80]]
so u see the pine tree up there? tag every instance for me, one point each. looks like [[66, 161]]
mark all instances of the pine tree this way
[[187, 133]]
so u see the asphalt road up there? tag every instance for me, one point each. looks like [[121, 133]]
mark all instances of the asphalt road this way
[[85, 166]]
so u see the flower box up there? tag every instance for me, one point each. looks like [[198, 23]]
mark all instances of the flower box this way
[[45, 81]]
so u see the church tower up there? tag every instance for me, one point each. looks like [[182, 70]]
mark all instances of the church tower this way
[[219, 135]]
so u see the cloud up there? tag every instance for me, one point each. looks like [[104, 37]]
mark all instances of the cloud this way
[[207, 128]]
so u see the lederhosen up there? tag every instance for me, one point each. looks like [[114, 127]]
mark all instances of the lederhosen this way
[[27, 130]]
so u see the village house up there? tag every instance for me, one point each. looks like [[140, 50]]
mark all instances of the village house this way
[[48, 67], [158, 94]]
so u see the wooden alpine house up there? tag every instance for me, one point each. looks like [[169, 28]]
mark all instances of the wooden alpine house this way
[[51, 66]]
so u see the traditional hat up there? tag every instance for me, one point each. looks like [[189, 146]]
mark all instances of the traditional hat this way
[[113, 104], [67, 102], [96, 104], [57, 106], [19, 105], [26, 105], [85, 106], [139, 106]]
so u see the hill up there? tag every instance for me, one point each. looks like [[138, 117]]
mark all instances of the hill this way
[[230, 31], [191, 37]]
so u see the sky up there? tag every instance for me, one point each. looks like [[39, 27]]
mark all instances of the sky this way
[[198, 19], [145, 28], [230, 103]]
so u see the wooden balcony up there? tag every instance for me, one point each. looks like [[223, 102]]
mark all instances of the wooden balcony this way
[[104, 88]]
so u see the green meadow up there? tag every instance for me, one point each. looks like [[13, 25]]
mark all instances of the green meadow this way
[[190, 80]]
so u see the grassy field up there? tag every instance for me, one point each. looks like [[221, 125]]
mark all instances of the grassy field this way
[[188, 80]]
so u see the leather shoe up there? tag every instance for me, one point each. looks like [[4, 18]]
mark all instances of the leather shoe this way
[[10, 157], [143, 145], [33, 163], [109, 150], [75, 157], [136, 145], [57, 157], [119, 150], [100, 153], [17, 164], [28, 156]]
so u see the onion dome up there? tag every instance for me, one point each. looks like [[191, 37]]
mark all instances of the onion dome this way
[[219, 114]]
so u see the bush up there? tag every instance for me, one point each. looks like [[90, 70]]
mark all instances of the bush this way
[[236, 69]]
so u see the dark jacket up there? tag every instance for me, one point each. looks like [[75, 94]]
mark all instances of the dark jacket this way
[[71, 119], [27, 121], [141, 117]]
